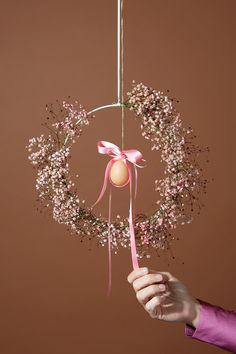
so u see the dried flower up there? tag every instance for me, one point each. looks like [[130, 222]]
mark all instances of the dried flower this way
[[179, 191]]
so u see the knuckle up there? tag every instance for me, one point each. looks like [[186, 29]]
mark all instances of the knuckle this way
[[148, 306], [139, 296], [147, 278], [157, 300], [154, 288], [130, 277], [135, 285], [150, 278]]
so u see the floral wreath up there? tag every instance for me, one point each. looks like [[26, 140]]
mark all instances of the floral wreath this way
[[179, 191]]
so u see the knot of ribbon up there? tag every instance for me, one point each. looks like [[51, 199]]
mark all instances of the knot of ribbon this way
[[130, 157]]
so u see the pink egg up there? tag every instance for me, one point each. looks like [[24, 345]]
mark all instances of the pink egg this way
[[119, 174]]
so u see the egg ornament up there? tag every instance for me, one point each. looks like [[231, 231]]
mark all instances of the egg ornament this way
[[119, 173]]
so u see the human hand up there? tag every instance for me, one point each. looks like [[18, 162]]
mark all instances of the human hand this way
[[164, 297]]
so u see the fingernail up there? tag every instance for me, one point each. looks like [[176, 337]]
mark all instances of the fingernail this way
[[162, 287], [144, 270]]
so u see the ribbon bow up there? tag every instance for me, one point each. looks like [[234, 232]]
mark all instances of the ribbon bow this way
[[130, 157]]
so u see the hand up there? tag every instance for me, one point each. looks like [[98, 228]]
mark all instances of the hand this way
[[164, 297]]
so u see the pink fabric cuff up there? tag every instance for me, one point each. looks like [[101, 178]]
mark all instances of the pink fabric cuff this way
[[216, 326]]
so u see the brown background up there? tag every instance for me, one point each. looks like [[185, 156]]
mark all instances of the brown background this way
[[53, 289]]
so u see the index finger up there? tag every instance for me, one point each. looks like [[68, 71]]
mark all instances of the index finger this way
[[136, 273]]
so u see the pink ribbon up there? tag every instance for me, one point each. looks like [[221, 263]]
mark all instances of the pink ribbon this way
[[130, 157]]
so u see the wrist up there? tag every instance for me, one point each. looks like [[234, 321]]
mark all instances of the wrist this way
[[194, 315]]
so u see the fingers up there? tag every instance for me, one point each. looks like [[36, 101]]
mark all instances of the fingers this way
[[154, 290], [149, 279], [167, 275], [153, 307], [136, 273]]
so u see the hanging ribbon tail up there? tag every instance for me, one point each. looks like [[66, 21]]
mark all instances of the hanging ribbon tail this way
[[140, 166], [109, 165], [109, 245], [131, 226], [143, 165], [132, 156], [136, 187]]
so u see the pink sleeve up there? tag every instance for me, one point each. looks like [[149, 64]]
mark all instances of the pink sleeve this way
[[216, 326]]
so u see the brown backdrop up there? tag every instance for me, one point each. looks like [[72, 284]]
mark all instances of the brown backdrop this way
[[53, 289]]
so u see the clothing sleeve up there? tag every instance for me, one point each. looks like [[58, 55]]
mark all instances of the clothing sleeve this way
[[216, 326]]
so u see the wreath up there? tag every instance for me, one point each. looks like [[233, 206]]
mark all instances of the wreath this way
[[179, 192]]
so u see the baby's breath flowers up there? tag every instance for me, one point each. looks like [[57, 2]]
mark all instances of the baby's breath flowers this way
[[179, 192]]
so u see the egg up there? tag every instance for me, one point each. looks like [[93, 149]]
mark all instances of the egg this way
[[119, 174]]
